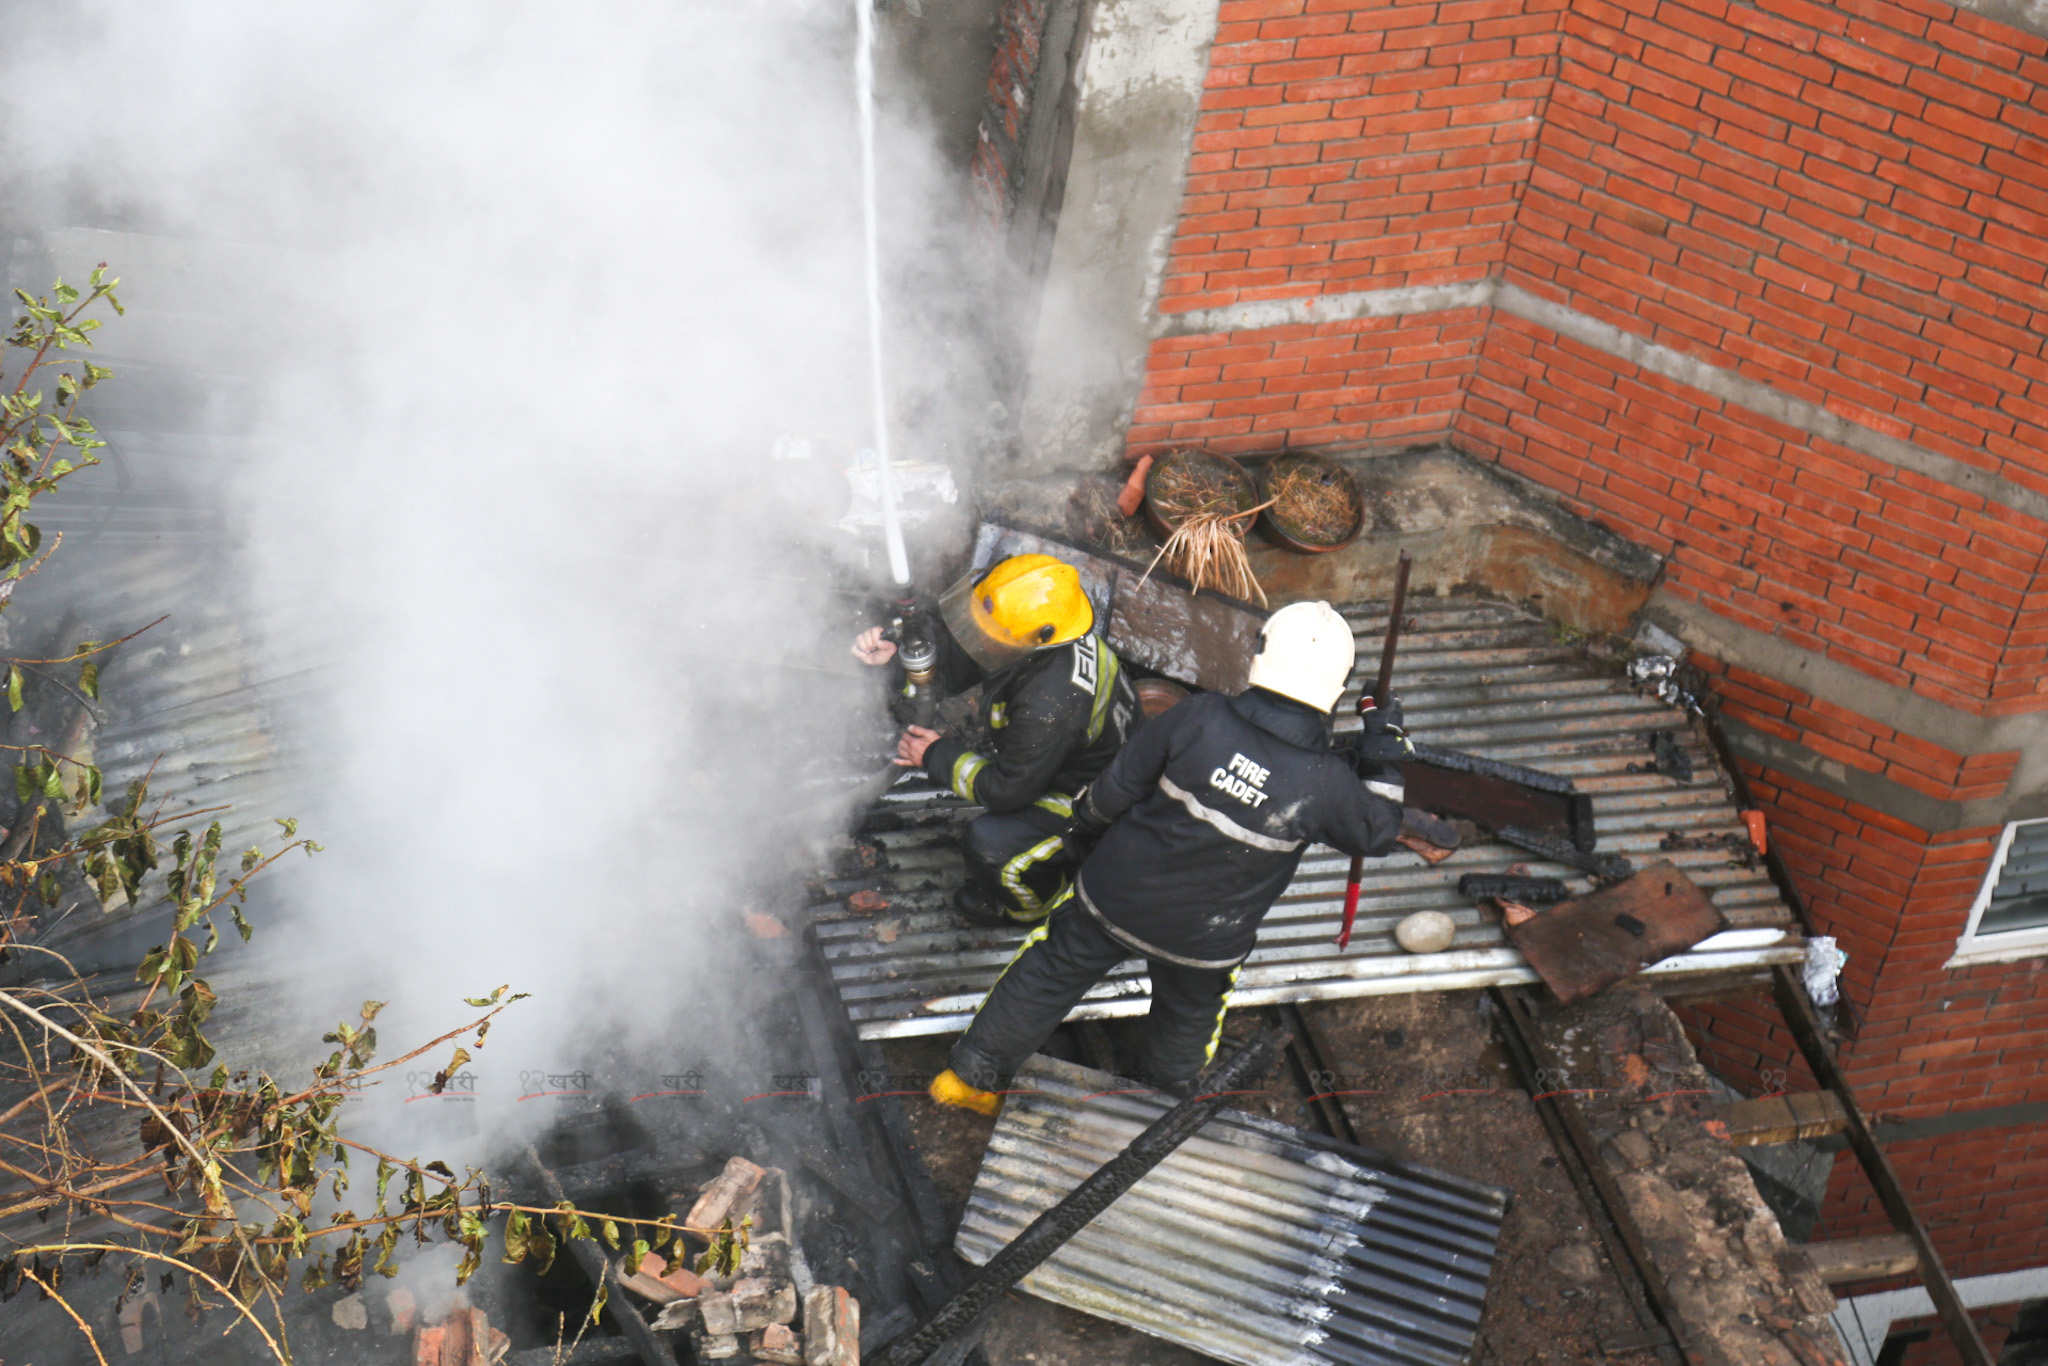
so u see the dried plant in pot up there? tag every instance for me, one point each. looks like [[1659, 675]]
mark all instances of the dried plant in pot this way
[[1186, 481], [1200, 504], [1312, 504]]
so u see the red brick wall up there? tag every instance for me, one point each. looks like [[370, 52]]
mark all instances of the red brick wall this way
[[1844, 201], [1854, 740], [997, 155], [1372, 380], [1911, 581], [1837, 202], [1979, 1194], [1359, 144], [1931, 1039]]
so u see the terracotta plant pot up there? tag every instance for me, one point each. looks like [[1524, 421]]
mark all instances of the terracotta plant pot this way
[[1244, 490], [1159, 695], [1325, 471]]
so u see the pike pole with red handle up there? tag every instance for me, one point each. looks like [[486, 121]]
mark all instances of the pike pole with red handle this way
[[1382, 693]]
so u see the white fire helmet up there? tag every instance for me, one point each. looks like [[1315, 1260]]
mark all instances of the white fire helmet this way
[[1305, 652]]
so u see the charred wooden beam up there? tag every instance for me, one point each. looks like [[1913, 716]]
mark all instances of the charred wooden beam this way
[[1783, 1119], [1531, 891], [1492, 801], [1456, 761], [590, 1255], [1606, 867], [1312, 1071], [1663, 1331], [1849, 1260]]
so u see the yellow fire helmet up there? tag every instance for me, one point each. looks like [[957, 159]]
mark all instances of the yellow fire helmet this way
[[1024, 604]]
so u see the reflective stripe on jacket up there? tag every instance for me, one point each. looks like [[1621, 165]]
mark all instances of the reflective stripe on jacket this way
[[1213, 804], [1058, 717]]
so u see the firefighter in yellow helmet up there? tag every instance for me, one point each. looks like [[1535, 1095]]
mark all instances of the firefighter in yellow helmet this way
[[1057, 706]]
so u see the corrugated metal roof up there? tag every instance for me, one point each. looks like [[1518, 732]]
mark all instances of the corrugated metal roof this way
[[1483, 677], [186, 704], [1252, 1243]]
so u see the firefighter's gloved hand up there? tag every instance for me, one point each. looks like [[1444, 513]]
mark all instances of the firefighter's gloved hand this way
[[1381, 739], [1084, 830]]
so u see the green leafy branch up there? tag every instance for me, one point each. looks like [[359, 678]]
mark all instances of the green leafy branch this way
[[37, 428], [239, 1166], [237, 1139]]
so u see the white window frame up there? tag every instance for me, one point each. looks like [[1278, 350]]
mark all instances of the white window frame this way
[[2007, 945]]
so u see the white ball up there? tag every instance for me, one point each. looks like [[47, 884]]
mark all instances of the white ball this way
[[1426, 932]]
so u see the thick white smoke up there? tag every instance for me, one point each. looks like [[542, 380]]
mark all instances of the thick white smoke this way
[[515, 299]]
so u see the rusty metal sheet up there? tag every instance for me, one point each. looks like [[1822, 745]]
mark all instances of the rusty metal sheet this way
[[1490, 801], [1156, 621], [1588, 944]]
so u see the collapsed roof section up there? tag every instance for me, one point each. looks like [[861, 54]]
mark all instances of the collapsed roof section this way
[[1253, 1243]]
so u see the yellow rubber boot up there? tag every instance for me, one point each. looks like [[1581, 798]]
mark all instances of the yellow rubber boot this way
[[948, 1089]]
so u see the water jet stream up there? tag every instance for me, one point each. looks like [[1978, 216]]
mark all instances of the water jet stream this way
[[864, 86]]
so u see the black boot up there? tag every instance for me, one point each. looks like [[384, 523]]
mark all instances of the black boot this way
[[976, 907]]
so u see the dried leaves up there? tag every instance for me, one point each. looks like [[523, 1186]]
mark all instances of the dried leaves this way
[[1207, 549], [1311, 504]]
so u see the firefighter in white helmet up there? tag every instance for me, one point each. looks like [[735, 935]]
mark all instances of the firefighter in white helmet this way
[[1202, 820]]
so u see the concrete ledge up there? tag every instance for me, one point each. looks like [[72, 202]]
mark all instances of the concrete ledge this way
[[1879, 793], [1471, 525], [1961, 732], [2030, 16], [1783, 1119], [1865, 1321], [1328, 308], [1765, 401], [1862, 1259], [1705, 376]]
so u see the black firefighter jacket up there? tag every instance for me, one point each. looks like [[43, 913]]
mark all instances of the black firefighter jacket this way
[[1214, 803], [1057, 717]]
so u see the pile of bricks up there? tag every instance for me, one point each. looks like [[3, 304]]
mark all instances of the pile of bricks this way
[[750, 1316], [464, 1338]]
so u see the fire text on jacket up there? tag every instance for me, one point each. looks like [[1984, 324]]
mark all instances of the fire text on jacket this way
[[1242, 780]]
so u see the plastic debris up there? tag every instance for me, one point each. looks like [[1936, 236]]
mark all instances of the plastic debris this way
[[1658, 675], [1822, 972]]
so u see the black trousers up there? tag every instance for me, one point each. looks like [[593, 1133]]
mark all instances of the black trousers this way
[[1057, 964], [1019, 859]]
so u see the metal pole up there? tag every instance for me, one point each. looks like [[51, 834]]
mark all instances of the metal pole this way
[[1806, 1031], [1383, 686], [1050, 1231], [1382, 693]]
